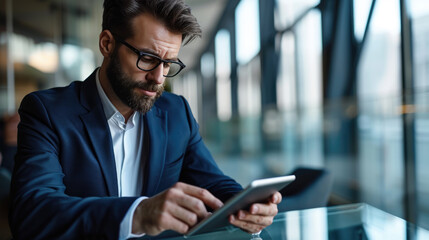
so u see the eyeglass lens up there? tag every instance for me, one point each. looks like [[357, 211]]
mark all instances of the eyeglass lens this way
[[148, 63]]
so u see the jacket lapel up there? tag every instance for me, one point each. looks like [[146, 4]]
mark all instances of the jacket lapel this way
[[155, 138], [99, 134]]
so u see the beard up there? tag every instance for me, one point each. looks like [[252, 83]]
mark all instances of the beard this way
[[123, 86]]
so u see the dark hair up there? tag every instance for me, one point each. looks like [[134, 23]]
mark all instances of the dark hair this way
[[175, 14]]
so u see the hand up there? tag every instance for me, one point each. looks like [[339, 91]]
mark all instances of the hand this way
[[177, 209], [259, 216]]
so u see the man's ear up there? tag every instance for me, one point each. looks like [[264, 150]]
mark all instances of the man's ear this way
[[106, 43]]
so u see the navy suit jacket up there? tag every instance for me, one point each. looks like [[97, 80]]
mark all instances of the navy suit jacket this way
[[64, 181]]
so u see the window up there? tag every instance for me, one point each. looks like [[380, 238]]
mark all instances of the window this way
[[247, 30], [420, 34], [223, 74], [379, 100]]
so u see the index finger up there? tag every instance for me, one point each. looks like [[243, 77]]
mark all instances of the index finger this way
[[204, 195]]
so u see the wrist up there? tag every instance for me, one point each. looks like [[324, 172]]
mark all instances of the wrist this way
[[137, 227]]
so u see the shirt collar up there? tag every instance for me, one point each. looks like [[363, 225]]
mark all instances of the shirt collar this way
[[109, 109]]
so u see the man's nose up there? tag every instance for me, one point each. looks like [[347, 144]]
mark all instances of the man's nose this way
[[156, 75]]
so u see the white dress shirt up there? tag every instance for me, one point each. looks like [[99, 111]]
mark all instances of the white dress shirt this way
[[127, 139]]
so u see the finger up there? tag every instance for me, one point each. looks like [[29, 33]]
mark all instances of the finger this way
[[246, 226], [276, 198], [192, 204], [188, 217], [155, 215], [255, 219], [268, 209], [179, 198], [202, 194], [169, 222]]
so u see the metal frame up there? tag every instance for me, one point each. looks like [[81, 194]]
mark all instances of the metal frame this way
[[408, 119]]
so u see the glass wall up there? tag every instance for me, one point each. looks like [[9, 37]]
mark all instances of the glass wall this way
[[299, 87], [379, 100], [420, 30], [45, 44], [366, 116], [223, 74]]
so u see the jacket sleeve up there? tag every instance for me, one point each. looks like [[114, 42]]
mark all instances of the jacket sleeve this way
[[201, 169], [40, 209]]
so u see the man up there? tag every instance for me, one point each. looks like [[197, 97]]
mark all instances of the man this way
[[88, 150]]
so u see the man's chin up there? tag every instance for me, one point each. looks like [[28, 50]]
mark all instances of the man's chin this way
[[141, 102], [144, 105]]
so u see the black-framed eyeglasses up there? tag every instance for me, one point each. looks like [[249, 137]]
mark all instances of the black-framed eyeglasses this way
[[148, 62]]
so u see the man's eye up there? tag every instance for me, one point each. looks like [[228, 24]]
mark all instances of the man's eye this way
[[149, 59]]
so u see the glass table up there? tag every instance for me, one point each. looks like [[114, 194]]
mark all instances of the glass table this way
[[349, 222]]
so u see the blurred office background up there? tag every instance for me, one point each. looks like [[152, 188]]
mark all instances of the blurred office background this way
[[275, 84]]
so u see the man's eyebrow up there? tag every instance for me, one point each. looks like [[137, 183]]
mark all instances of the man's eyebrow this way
[[148, 50]]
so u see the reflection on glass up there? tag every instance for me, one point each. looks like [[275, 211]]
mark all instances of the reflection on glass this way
[[418, 8], [249, 94], [420, 32], [380, 225], [303, 106], [316, 225], [249, 107], [309, 63], [256, 236], [293, 225], [379, 68], [223, 74], [379, 120], [247, 30], [288, 11], [422, 234], [361, 12], [191, 92], [207, 65], [286, 80]]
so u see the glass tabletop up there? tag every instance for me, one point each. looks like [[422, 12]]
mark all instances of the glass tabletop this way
[[349, 222]]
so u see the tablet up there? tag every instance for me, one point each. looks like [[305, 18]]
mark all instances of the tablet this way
[[257, 191]]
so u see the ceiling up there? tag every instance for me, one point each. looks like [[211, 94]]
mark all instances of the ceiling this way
[[38, 19]]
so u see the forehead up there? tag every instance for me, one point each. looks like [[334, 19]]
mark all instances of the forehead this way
[[151, 33]]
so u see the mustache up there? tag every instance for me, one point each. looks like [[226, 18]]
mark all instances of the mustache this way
[[153, 87]]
